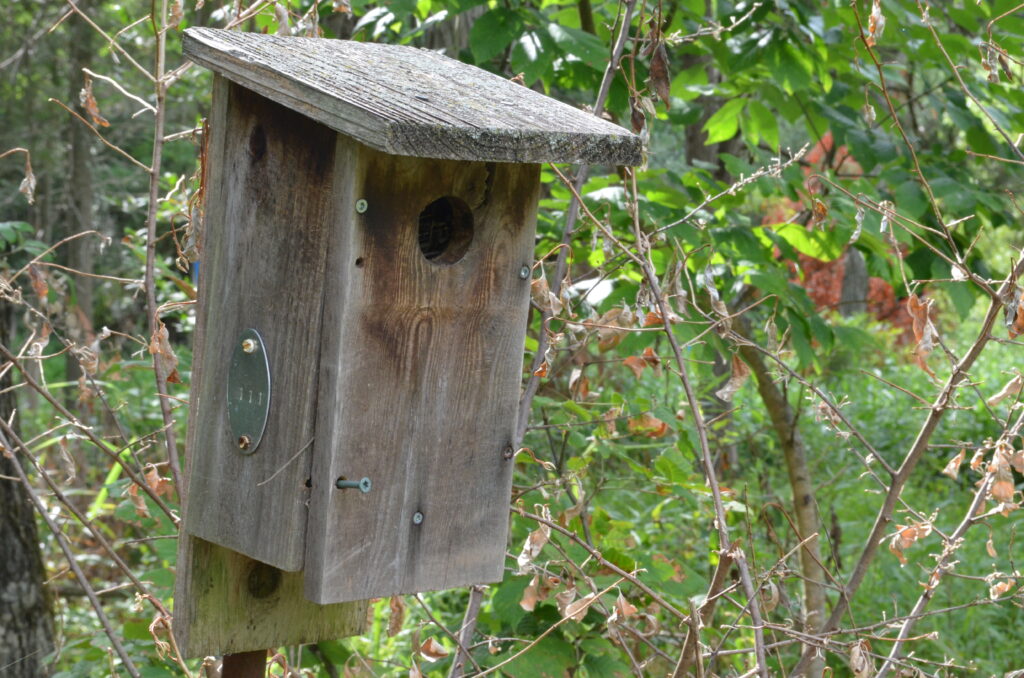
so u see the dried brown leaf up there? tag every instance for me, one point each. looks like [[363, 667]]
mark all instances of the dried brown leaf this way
[[1001, 587], [39, 285], [1011, 388], [876, 24], [861, 663], [177, 15], [740, 374], [647, 425], [535, 541], [89, 105], [622, 609], [138, 501], [952, 468], [924, 330], [613, 327], [660, 79], [578, 609], [1002, 489], [635, 363], [431, 650], [397, 618], [164, 360]]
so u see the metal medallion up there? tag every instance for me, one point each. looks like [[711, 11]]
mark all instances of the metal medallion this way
[[248, 391]]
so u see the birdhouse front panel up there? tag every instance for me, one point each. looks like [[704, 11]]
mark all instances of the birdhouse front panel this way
[[419, 376]]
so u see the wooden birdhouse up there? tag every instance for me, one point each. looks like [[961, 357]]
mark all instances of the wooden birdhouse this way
[[363, 299]]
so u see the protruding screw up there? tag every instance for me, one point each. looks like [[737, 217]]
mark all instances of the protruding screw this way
[[361, 206], [363, 484], [524, 272], [249, 345], [417, 518], [244, 442]]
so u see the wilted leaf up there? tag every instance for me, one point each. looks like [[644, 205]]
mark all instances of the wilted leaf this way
[[858, 219], [138, 501], [161, 486], [647, 425], [1002, 486], [164, 360], [906, 536], [1011, 388], [635, 363], [861, 663], [578, 610], [542, 370], [28, 184], [397, 618], [770, 596], [70, 468], [177, 14], [819, 211], [89, 105], [740, 374], [990, 548], [612, 327], [622, 609], [343, 6], [1001, 587], [659, 74], [414, 671], [636, 116], [39, 285], [535, 541], [924, 330], [652, 360], [952, 469], [564, 598], [542, 295], [977, 459], [431, 650], [876, 24]]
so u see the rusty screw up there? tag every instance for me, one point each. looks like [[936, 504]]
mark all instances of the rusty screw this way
[[244, 442], [249, 345]]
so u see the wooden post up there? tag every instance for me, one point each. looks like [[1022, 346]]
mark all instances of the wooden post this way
[[245, 665]]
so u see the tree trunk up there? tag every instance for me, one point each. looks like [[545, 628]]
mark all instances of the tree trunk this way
[[80, 251], [805, 507], [25, 621], [853, 297]]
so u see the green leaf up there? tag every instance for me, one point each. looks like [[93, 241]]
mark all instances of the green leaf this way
[[586, 47], [723, 125], [493, 32], [764, 121]]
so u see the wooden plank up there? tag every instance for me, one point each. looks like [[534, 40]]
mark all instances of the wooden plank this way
[[269, 201], [419, 378], [411, 101], [226, 603]]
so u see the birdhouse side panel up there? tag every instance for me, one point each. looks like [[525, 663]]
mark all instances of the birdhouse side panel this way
[[269, 207], [423, 341]]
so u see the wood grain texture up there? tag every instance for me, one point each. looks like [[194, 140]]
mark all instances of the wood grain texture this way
[[419, 378], [223, 601], [269, 200], [411, 101], [226, 602]]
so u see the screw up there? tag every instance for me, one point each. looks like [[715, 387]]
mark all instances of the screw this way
[[361, 205], [249, 345], [244, 442], [524, 272], [417, 518], [363, 484], [508, 452]]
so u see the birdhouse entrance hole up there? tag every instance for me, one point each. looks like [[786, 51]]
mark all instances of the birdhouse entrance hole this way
[[445, 230]]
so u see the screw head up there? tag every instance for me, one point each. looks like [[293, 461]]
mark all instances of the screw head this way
[[417, 518], [249, 345], [365, 485], [524, 272], [361, 206], [244, 442]]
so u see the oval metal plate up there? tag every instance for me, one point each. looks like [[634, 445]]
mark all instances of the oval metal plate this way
[[248, 391]]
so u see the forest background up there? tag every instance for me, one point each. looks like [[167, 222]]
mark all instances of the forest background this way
[[770, 417]]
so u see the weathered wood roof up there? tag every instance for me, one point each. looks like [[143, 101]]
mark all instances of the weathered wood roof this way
[[409, 101]]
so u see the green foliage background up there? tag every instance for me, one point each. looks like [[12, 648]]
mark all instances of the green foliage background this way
[[777, 76]]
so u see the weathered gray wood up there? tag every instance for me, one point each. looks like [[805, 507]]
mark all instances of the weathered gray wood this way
[[269, 201], [409, 101], [419, 378], [225, 602]]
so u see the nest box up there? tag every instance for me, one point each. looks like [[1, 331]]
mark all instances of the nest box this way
[[363, 299]]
